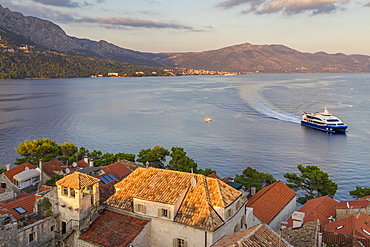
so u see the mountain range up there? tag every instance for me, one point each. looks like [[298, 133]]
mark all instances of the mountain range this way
[[237, 58]]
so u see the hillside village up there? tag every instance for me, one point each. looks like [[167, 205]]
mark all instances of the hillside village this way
[[126, 204]]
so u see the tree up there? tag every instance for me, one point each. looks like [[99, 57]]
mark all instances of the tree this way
[[156, 156], [360, 192], [180, 162], [2, 170], [53, 179], [205, 172], [252, 178], [67, 153], [32, 152], [123, 156], [312, 183]]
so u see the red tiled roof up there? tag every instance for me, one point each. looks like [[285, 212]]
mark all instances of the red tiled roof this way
[[18, 169], [26, 202], [353, 204], [82, 164], [114, 229], [118, 169], [44, 187], [318, 208], [213, 175], [270, 200], [353, 225], [53, 165], [260, 235], [106, 190], [227, 179]]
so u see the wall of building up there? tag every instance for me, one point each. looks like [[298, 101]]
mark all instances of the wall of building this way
[[45, 233], [284, 214], [251, 220], [8, 232], [144, 238], [6, 196]]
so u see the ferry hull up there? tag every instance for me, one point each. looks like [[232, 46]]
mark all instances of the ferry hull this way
[[326, 128]]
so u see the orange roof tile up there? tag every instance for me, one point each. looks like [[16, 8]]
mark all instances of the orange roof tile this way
[[353, 204], [82, 164], [353, 225], [270, 200], [260, 235], [18, 169], [26, 202], [114, 229], [118, 169], [77, 181], [51, 167], [44, 187], [213, 175], [320, 208], [167, 186]]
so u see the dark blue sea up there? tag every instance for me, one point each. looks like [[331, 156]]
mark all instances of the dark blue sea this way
[[256, 120]]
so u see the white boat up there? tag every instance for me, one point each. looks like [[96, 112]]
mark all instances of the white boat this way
[[324, 121], [208, 119]]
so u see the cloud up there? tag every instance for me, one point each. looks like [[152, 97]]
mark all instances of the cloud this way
[[59, 3], [289, 7], [135, 23]]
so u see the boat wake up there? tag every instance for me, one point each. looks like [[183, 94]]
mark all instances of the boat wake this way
[[251, 95]]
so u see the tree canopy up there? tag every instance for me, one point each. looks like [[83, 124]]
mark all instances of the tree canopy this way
[[312, 183], [360, 192], [155, 157], [181, 162], [252, 178], [33, 151]]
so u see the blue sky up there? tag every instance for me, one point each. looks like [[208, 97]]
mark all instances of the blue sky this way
[[333, 26]]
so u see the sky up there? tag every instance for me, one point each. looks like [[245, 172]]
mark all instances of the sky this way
[[332, 26]]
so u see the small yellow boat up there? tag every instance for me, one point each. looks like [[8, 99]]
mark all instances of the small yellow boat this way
[[208, 119]]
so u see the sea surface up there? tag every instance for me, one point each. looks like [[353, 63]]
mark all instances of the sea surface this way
[[256, 120]]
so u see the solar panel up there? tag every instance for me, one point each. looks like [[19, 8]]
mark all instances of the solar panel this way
[[107, 178], [20, 210]]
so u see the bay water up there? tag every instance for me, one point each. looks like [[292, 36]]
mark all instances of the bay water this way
[[256, 120]]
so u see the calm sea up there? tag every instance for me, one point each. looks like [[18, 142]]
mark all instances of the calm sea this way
[[256, 120]]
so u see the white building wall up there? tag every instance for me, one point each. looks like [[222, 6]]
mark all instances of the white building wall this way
[[251, 220], [283, 215]]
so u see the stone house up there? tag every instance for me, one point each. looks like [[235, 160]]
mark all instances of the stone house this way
[[184, 209], [346, 208], [24, 177], [271, 205]]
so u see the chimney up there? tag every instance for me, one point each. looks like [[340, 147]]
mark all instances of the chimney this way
[[91, 163], [40, 166], [86, 159], [253, 191], [298, 218], [118, 160], [7, 167]]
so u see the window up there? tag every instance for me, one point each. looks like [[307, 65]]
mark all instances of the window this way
[[163, 213], [31, 237], [229, 213], [140, 208], [72, 192], [179, 242], [65, 191], [20, 210], [52, 228]]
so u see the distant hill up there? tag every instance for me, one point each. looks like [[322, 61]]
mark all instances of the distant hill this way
[[238, 58], [268, 58]]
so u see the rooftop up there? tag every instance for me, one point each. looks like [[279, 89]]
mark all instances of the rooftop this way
[[114, 229], [356, 225], [19, 207], [167, 186], [270, 200], [18, 169], [77, 181]]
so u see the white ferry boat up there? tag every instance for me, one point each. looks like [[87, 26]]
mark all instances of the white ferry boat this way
[[324, 121]]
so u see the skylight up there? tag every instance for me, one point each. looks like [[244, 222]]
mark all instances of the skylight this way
[[368, 233], [339, 227], [20, 210]]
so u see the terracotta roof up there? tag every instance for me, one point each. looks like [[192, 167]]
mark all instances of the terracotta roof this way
[[18, 169], [118, 169], [77, 181], [356, 225], [320, 208], [270, 200], [26, 202], [353, 204], [166, 186], [132, 166], [260, 235], [53, 167], [114, 229], [82, 164], [44, 188], [106, 190], [213, 175]]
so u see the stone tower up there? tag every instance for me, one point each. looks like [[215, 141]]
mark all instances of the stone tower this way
[[78, 198]]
